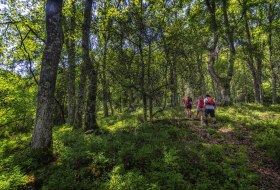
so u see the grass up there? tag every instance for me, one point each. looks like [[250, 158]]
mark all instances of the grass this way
[[170, 153]]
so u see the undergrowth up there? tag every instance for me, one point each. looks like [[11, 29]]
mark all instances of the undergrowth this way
[[128, 154]]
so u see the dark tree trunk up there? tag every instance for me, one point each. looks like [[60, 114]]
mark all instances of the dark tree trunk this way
[[42, 133], [90, 112], [142, 85], [272, 70], [59, 113], [71, 74], [255, 80], [90, 115], [142, 63], [85, 66], [105, 84], [111, 103], [259, 77], [104, 79], [80, 98], [130, 99], [122, 59], [150, 83], [151, 108]]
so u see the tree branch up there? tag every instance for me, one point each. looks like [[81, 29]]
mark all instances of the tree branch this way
[[9, 22], [37, 36], [28, 55]]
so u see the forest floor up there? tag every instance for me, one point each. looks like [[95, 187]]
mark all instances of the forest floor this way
[[268, 171], [242, 152]]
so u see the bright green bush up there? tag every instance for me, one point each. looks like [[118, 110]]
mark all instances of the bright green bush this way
[[17, 103]]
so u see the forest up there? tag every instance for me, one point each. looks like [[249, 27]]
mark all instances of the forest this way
[[92, 94]]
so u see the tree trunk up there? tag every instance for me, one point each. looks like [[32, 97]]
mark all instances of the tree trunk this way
[[150, 83], [142, 85], [273, 73], [71, 74], [202, 89], [42, 133], [250, 62], [90, 115], [271, 15], [111, 102], [225, 92], [172, 74], [105, 85], [214, 89], [212, 50], [151, 108], [85, 66], [90, 112], [59, 113], [223, 82], [234, 91], [226, 99], [174, 84], [130, 99], [259, 77], [142, 74], [104, 80]]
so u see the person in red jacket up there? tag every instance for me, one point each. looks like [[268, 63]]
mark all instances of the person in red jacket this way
[[188, 106], [209, 105], [200, 109]]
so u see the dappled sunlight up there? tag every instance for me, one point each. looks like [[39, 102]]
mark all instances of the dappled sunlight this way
[[207, 145], [226, 130], [117, 126], [64, 129], [31, 179], [170, 152], [268, 115]]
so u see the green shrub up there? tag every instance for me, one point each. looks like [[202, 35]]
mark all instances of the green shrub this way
[[167, 154], [269, 141]]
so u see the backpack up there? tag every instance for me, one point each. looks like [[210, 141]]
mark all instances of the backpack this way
[[200, 103], [210, 101], [188, 102]]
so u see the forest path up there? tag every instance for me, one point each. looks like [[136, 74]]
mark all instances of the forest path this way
[[240, 136], [269, 173]]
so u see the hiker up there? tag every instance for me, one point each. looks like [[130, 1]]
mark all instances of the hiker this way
[[188, 106], [209, 105], [200, 109]]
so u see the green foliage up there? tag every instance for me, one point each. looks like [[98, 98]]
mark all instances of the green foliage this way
[[141, 156], [167, 154], [262, 120], [269, 141], [16, 101], [16, 118], [15, 161]]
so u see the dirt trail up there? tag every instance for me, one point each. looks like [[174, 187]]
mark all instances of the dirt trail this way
[[268, 171]]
